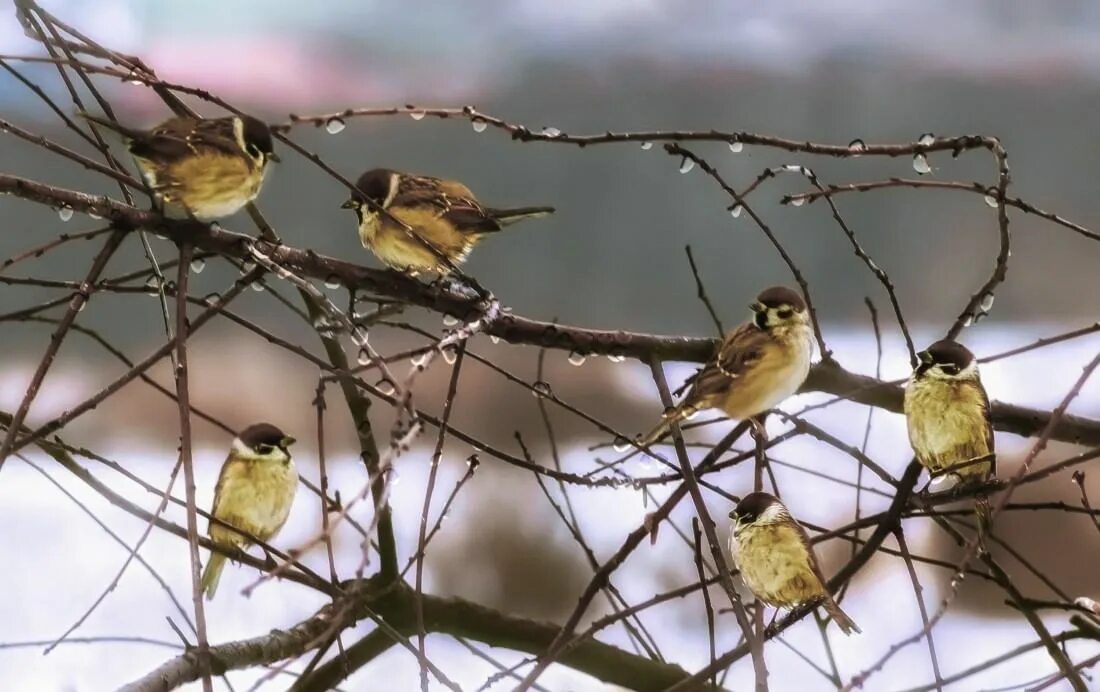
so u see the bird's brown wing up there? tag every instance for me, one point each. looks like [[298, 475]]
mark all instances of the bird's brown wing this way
[[454, 201], [739, 350], [177, 138], [219, 485], [987, 415]]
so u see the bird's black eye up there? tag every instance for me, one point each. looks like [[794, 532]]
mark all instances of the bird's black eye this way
[[265, 449], [784, 313], [253, 150], [949, 369]]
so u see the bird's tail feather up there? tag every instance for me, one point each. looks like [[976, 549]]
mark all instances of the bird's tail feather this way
[[983, 513], [212, 574], [126, 132], [845, 623], [507, 217]]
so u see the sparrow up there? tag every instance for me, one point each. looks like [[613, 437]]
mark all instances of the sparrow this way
[[443, 217], [759, 364], [254, 493], [208, 167], [776, 561], [947, 413]]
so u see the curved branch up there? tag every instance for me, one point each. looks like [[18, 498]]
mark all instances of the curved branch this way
[[827, 376]]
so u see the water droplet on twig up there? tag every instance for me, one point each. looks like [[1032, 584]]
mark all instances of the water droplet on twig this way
[[197, 265], [736, 146], [417, 114], [332, 281], [335, 126], [646, 146], [449, 320], [385, 386], [621, 444], [991, 199], [450, 355], [257, 286], [479, 125], [686, 165], [857, 147], [616, 358], [927, 139], [920, 164], [735, 210], [364, 356], [419, 360], [65, 213], [798, 201], [987, 302], [551, 132], [541, 388], [577, 358]]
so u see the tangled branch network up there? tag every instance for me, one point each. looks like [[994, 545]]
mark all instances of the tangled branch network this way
[[381, 604]]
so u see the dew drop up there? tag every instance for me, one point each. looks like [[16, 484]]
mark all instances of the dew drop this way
[[735, 210], [991, 201], [450, 355], [669, 412], [197, 265], [551, 132], [332, 281], [92, 215], [494, 338], [621, 444], [335, 126], [927, 139], [577, 358], [65, 213], [857, 147], [385, 386], [737, 146], [211, 299], [257, 286], [420, 360], [686, 165], [615, 358], [152, 285], [417, 114], [987, 302], [81, 305], [969, 320], [920, 164], [798, 201], [646, 146], [449, 320], [541, 388], [794, 168], [479, 125], [364, 356], [247, 267]]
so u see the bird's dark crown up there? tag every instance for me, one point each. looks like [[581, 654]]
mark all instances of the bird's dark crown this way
[[752, 506], [781, 295], [946, 352], [257, 134], [262, 434], [375, 184]]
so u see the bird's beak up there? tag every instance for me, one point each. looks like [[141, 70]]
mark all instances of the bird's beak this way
[[274, 157], [287, 441], [733, 515], [757, 307], [350, 204]]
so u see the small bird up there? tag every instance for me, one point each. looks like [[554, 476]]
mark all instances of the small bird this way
[[444, 220], [254, 493], [947, 412], [776, 560], [759, 364], [209, 167]]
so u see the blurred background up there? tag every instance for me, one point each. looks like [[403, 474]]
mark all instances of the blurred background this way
[[612, 257]]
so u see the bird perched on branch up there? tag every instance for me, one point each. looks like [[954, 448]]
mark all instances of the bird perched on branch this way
[[947, 413], [208, 167], [759, 364], [417, 223], [776, 560], [254, 493]]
